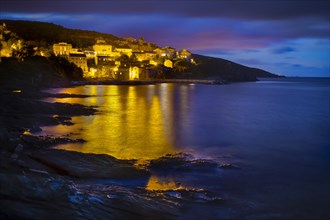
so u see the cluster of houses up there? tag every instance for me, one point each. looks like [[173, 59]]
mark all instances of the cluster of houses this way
[[11, 45], [136, 61], [7, 46]]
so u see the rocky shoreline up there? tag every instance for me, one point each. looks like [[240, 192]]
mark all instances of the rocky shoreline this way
[[39, 182]]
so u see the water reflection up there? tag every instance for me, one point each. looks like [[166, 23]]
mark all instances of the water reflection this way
[[134, 122], [158, 183]]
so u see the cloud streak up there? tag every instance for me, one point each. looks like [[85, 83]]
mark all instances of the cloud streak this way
[[254, 10]]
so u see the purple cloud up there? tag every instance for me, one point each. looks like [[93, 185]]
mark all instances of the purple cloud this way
[[254, 10]]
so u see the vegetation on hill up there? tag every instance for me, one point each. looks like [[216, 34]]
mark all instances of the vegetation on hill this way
[[37, 72], [217, 69], [52, 33]]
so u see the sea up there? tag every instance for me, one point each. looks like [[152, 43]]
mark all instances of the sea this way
[[257, 150]]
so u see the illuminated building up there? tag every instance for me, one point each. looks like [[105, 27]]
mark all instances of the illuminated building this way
[[165, 52], [104, 60], [122, 73], [62, 49], [168, 63], [134, 73], [124, 50], [102, 48], [79, 59], [89, 54], [183, 54], [159, 51], [153, 62], [142, 56]]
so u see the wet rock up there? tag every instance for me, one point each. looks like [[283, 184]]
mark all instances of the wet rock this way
[[14, 156], [70, 109], [30, 139], [35, 129], [19, 148], [228, 166], [66, 95], [192, 195], [5, 142], [64, 120], [130, 203], [3, 135], [47, 141], [81, 165], [39, 171], [182, 161], [30, 196]]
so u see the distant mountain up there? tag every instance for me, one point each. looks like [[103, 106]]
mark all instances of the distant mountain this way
[[206, 68]]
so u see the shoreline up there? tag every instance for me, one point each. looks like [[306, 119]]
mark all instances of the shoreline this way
[[39, 182], [147, 82]]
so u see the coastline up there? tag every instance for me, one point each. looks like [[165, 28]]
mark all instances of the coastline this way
[[148, 82], [39, 182]]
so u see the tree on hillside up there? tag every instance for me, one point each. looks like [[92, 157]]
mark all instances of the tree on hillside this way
[[69, 70], [181, 66]]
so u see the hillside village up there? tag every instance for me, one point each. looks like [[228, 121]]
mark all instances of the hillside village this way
[[130, 61], [125, 59], [78, 54]]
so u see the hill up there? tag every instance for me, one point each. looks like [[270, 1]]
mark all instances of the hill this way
[[204, 67], [52, 33], [33, 72], [217, 68]]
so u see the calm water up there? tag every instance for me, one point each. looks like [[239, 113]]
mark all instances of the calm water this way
[[276, 131]]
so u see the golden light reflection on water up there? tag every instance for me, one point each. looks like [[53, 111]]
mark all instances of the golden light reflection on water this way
[[134, 122], [157, 183]]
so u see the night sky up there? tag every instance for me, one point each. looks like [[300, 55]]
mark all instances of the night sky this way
[[281, 36]]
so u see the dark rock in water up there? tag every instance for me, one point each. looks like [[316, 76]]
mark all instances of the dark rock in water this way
[[35, 129], [47, 141], [19, 148], [66, 95], [81, 165], [34, 197], [192, 195], [30, 139], [37, 196], [3, 135], [182, 161], [14, 156], [228, 166], [136, 203], [64, 120]]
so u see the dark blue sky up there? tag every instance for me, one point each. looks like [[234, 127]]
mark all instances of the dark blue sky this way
[[288, 37]]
